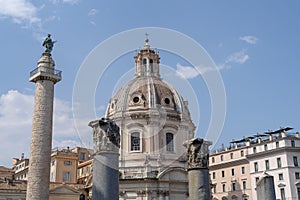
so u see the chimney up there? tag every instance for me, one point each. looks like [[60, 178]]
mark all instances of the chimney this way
[[248, 143], [283, 134], [259, 140], [270, 137]]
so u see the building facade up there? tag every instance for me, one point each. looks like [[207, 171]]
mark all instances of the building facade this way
[[154, 122], [63, 166], [20, 168], [278, 156], [229, 173], [235, 171]]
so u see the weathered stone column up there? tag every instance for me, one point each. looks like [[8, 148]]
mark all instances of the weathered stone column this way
[[106, 139], [198, 174], [265, 188], [44, 77]]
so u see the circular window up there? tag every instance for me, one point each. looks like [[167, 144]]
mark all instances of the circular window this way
[[167, 101], [136, 99]]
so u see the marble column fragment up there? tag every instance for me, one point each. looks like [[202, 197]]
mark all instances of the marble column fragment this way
[[106, 139], [265, 188], [198, 174]]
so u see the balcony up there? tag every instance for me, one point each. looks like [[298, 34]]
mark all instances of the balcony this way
[[45, 73]]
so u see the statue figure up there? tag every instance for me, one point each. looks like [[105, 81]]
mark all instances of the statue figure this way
[[197, 153], [48, 44]]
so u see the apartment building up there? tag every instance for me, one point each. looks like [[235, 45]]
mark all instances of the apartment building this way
[[278, 156], [235, 170], [230, 177]]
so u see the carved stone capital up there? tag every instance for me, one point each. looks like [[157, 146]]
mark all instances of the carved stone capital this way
[[197, 153], [106, 135]]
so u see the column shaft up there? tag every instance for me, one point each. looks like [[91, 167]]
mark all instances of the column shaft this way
[[199, 188], [40, 147], [106, 176]]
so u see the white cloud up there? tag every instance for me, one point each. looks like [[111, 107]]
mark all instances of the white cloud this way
[[189, 72], [19, 11], [239, 57], [93, 23], [249, 39], [186, 72], [92, 12], [16, 119]]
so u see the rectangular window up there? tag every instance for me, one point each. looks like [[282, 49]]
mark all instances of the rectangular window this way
[[222, 157], [265, 147], [213, 159], [135, 141], [295, 159], [233, 186], [66, 176], [293, 143], [242, 153], [256, 167], [231, 155], [67, 162], [53, 162], [277, 144], [298, 192], [254, 149], [279, 162], [169, 142], [280, 177], [243, 170], [232, 172], [267, 164], [297, 175], [244, 185], [223, 173], [214, 189], [282, 194], [214, 175], [82, 156], [223, 187]]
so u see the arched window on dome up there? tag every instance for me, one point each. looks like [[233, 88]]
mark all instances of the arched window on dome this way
[[135, 141], [151, 65], [144, 65], [170, 142]]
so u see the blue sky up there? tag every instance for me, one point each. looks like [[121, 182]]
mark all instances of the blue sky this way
[[254, 44]]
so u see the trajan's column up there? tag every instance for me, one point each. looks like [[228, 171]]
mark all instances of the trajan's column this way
[[44, 77]]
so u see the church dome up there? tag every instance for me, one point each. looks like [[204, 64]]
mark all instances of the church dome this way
[[147, 91]]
